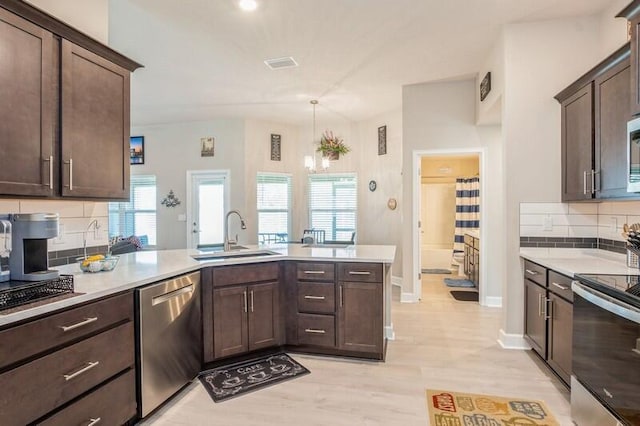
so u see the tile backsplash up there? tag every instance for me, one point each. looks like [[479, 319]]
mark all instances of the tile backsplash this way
[[543, 224]]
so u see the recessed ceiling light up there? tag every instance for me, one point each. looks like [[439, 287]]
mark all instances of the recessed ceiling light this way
[[248, 5]]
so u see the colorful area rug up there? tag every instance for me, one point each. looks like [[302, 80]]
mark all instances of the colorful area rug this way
[[447, 408], [436, 271], [236, 379]]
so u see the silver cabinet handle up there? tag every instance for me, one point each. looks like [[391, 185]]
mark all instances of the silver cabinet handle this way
[[171, 295], [606, 302], [549, 306], [83, 370], [315, 297], [94, 421], [314, 331], [359, 273], [584, 182], [539, 305], [594, 187], [314, 272], [244, 294], [341, 297], [70, 163], [530, 272], [50, 160], [251, 300], [66, 328], [561, 287]]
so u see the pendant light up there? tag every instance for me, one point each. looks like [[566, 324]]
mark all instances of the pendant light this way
[[310, 160]]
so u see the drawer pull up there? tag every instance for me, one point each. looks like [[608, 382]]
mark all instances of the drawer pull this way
[[94, 421], [314, 331], [315, 297], [359, 273], [314, 272], [530, 272], [66, 328], [561, 287], [83, 370]]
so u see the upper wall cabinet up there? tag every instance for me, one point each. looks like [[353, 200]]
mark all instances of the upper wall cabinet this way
[[595, 111], [65, 122], [632, 13]]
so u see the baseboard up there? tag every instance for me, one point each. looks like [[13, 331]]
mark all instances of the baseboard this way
[[493, 302], [408, 298], [512, 341], [389, 333], [397, 281]]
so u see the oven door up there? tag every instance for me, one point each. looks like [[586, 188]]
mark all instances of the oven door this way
[[606, 350]]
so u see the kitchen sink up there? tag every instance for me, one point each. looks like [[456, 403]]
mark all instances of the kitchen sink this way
[[223, 255], [219, 248], [335, 246]]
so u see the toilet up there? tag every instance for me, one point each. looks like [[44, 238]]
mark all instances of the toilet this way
[[457, 261]]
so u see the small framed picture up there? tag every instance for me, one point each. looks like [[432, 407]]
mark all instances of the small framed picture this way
[[207, 146], [276, 146], [382, 140], [136, 150]]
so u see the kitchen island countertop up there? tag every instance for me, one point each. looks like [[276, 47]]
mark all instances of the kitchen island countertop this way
[[145, 267]]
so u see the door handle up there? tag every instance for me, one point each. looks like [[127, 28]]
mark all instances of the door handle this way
[[530, 272], [561, 287], [50, 161], [315, 297], [93, 422], [66, 328], [594, 187], [341, 296], [584, 182], [540, 296], [314, 272], [244, 294], [83, 370], [314, 331], [548, 307], [359, 273], [251, 293], [171, 295], [70, 163]]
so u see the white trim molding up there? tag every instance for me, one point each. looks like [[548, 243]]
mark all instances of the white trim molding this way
[[493, 302], [512, 341], [408, 298], [397, 281], [389, 333]]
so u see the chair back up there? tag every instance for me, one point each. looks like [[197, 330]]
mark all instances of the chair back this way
[[316, 234]]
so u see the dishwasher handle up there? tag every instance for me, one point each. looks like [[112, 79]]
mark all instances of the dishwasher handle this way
[[606, 302], [171, 295]]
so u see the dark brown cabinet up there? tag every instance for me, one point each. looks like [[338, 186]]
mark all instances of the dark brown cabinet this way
[[230, 333], [95, 125], [535, 324], [472, 259], [594, 113], [560, 336], [27, 73], [632, 14], [264, 314], [65, 112]]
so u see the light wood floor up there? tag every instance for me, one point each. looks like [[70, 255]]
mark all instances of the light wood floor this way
[[440, 344]]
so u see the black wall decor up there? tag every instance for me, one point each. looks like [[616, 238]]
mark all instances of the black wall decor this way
[[276, 146], [485, 86], [382, 140]]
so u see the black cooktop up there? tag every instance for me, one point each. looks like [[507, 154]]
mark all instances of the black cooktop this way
[[623, 287], [16, 293]]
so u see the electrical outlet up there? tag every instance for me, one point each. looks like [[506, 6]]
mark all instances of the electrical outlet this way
[[547, 223]]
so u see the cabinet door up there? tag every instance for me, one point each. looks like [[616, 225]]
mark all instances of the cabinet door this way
[[611, 116], [635, 65], [360, 317], [476, 267], [27, 90], [577, 145], [230, 306], [95, 125], [263, 316], [560, 336], [535, 313]]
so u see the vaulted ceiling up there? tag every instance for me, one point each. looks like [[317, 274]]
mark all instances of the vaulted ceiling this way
[[204, 58]]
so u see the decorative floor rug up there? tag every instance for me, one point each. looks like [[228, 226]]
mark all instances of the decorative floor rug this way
[[458, 282], [465, 296], [236, 379], [436, 271], [447, 408]]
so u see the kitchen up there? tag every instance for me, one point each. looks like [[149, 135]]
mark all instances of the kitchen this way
[[538, 139]]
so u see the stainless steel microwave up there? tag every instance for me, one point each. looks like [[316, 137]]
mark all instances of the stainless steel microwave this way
[[633, 155]]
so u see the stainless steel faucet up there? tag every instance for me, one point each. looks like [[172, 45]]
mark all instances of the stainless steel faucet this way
[[227, 242], [96, 226]]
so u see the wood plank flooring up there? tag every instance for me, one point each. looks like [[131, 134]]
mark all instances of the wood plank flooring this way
[[440, 344]]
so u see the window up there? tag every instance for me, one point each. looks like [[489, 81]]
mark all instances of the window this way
[[274, 207], [333, 204], [138, 216]]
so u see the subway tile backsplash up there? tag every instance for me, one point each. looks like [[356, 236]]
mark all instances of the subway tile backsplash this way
[[577, 225]]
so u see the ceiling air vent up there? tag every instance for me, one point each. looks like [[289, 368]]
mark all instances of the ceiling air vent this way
[[281, 63]]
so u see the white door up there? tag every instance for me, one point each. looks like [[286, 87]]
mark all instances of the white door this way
[[207, 204]]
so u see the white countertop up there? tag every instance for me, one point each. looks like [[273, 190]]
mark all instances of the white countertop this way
[[579, 261], [145, 267]]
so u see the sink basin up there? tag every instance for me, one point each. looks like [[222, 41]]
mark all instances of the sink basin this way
[[219, 248], [335, 246], [222, 255]]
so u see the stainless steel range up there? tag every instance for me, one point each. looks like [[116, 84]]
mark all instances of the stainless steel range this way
[[605, 386]]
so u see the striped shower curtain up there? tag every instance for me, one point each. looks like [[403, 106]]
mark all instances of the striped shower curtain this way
[[467, 209]]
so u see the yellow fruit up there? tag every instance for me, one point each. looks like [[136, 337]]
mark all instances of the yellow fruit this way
[[95, 257]]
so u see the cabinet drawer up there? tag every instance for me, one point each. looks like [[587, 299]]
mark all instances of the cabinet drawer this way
[[535, 273], [38, 336], [316, 297], [315, 271], [113, 404], [231, 275], [317, 330], [36, 388], [367, 272], [560, 285]]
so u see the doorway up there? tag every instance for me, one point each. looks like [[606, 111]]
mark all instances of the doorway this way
[[207, 202]]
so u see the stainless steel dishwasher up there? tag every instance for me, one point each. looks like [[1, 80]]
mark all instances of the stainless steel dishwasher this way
[[169, 338]]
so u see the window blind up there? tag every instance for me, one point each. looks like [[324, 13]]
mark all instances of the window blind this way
[[333, 204], [274, 207], [138, 215]]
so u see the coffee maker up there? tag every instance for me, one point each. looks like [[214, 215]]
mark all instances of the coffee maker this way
[[29, 260]]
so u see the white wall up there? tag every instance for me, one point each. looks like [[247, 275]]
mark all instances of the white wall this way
[[89, 16], [172, 149], [441, 117]]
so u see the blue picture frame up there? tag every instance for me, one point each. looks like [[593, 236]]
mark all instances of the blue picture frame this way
[[136, 150]]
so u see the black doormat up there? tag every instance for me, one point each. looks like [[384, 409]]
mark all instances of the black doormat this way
[[465, 296], [235, 379]]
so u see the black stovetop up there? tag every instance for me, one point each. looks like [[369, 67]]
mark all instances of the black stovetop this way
[[16, 293]]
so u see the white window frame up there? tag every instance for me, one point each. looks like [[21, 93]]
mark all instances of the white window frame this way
[[192, 177], [333, 175], [122, 210], [289, 202]]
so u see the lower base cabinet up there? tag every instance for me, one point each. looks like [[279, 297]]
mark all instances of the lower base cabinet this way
[[535, 322], [360, 317], [560, 336]]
